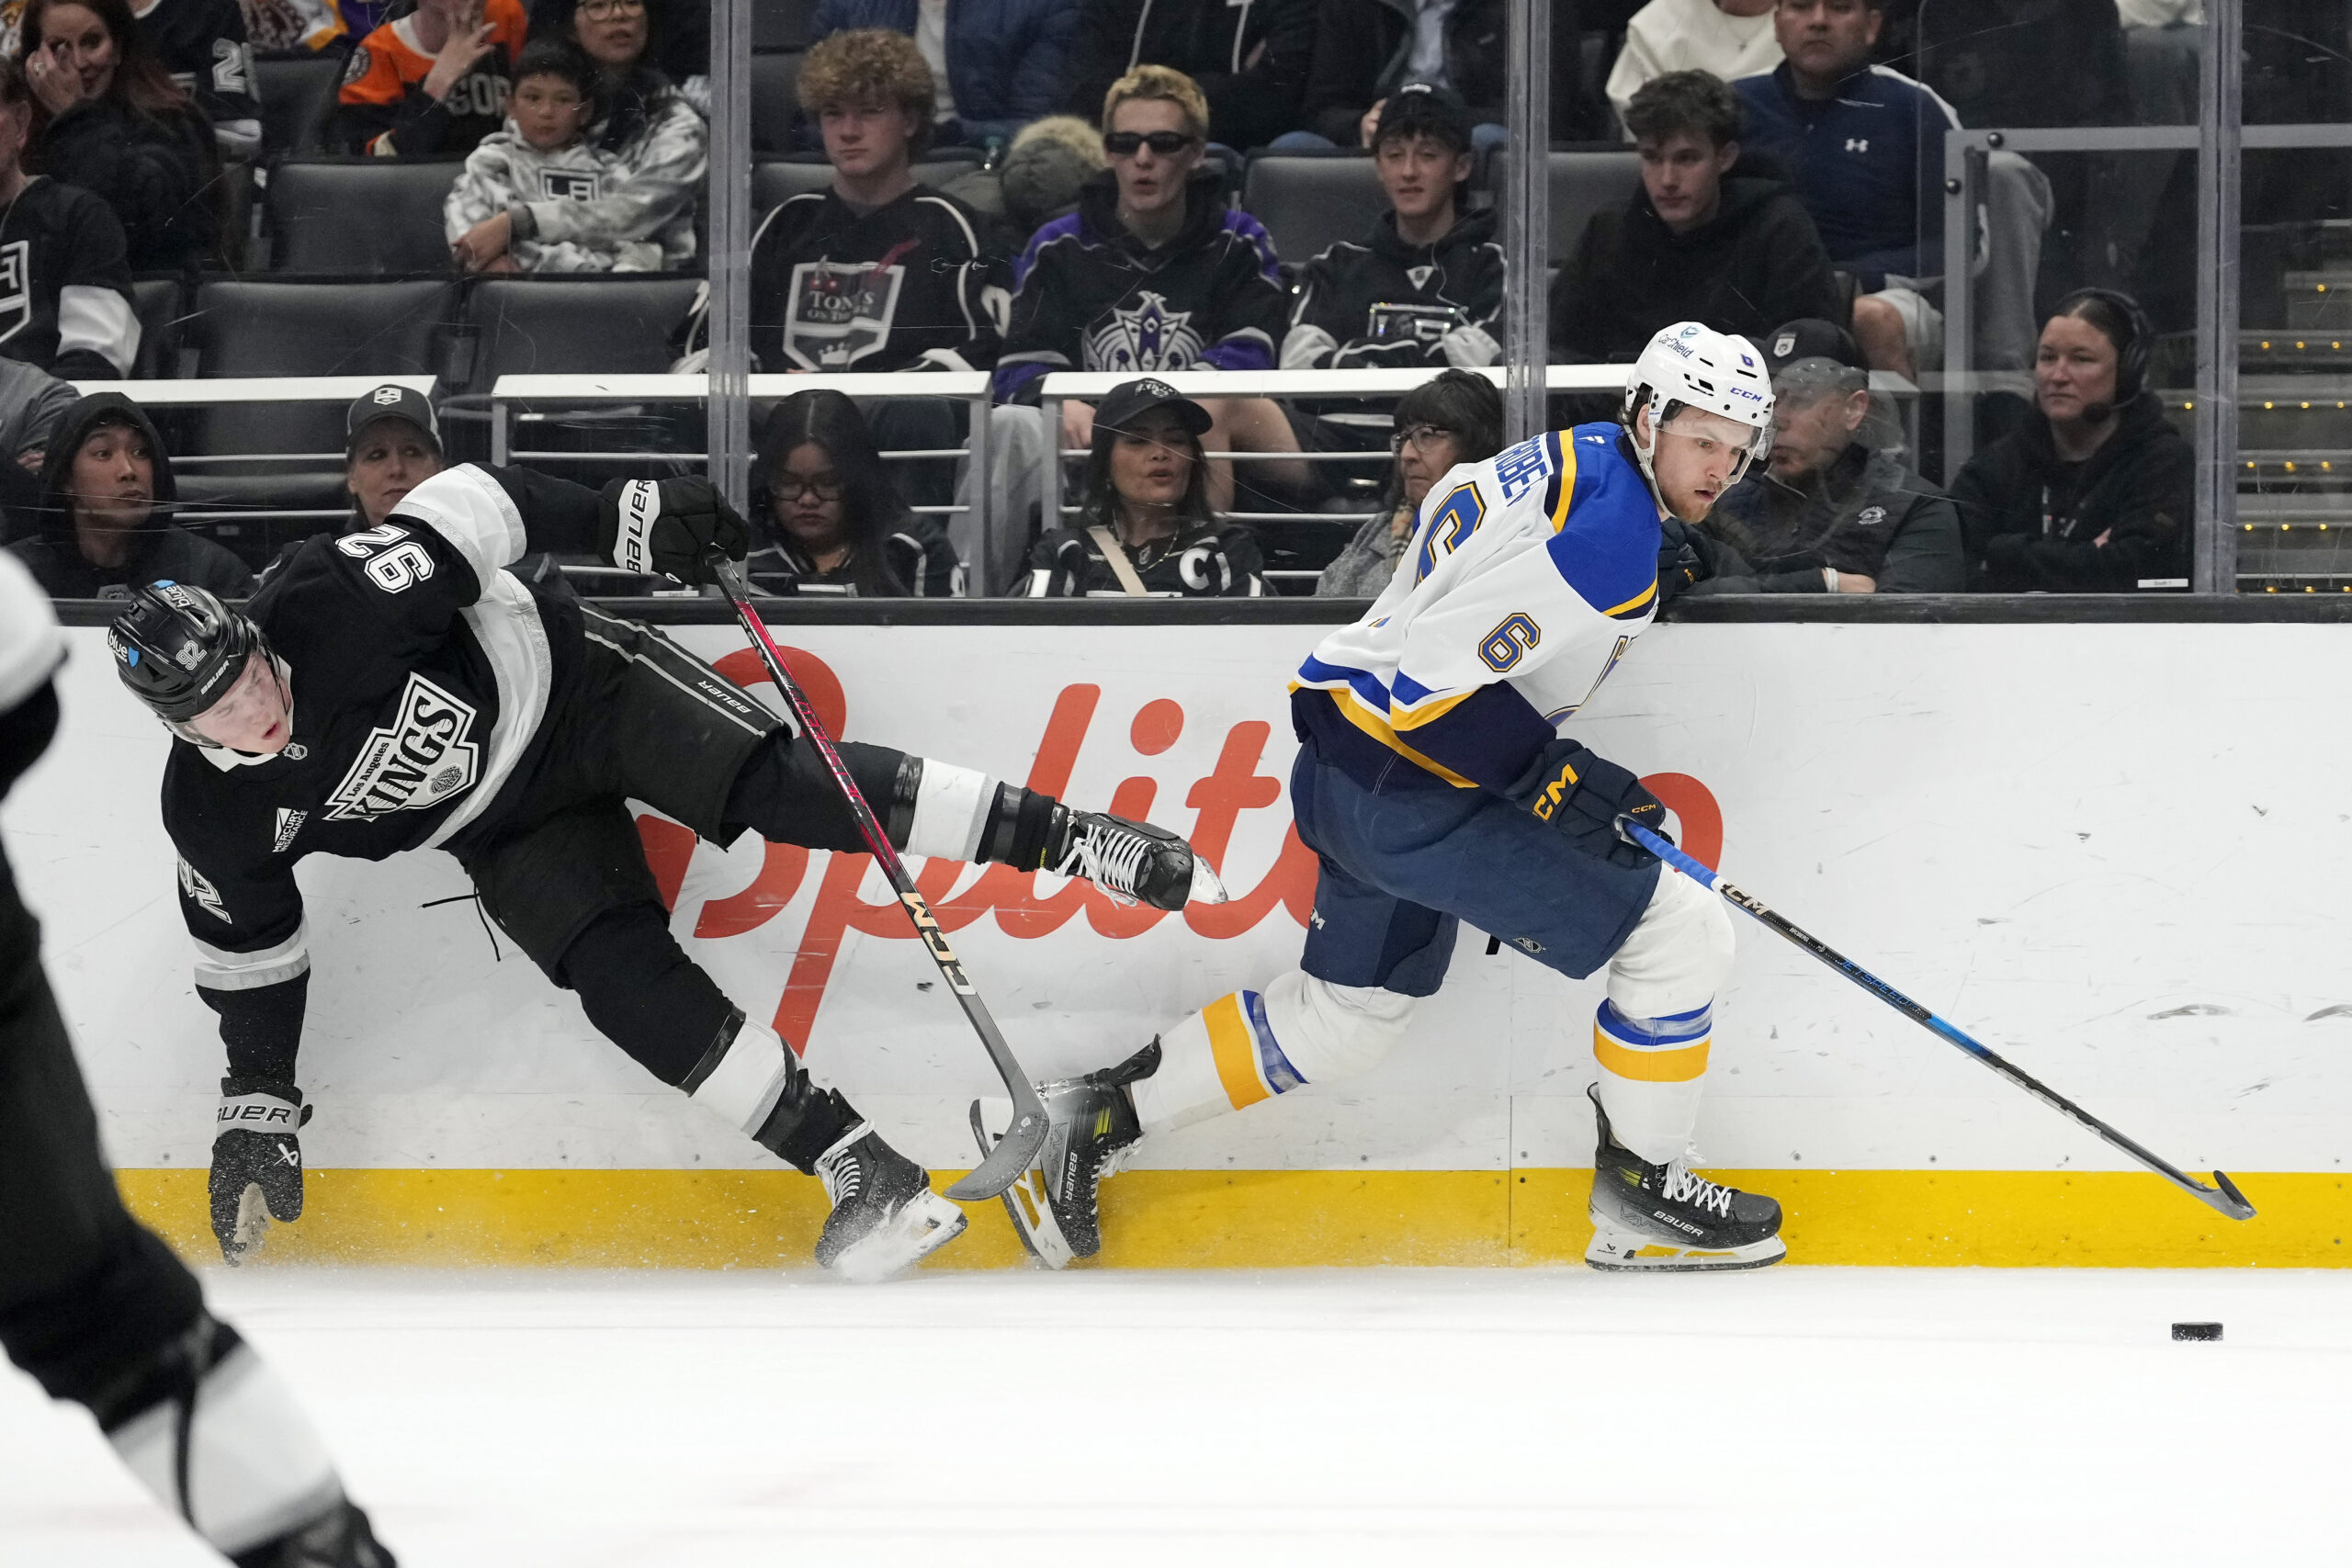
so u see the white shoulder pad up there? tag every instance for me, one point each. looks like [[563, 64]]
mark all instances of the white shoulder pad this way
[[473, 513]]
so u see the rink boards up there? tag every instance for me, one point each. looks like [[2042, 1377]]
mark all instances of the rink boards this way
[[2111, 851]]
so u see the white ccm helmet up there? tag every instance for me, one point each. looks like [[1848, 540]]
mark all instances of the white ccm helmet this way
[[1694, 366]]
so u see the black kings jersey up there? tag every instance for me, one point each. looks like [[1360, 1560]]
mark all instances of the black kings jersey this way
[[910, 281], [65, 284], [422, 674], [203, 44]]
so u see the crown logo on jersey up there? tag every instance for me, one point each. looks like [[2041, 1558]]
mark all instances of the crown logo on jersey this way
[[1149, 338]]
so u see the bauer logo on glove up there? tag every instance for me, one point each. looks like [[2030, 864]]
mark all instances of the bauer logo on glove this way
[[667, 526]]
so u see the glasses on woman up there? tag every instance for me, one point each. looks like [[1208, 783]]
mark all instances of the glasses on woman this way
[[1422, 437], [1127, 144], [605, 10], [792, 486]]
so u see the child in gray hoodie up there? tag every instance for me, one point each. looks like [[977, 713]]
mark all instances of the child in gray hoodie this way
[[541, 195]]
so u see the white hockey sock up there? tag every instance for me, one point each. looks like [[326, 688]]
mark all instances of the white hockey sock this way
[[1652, 1073], [1250, 1045], [748, 1078], [952, 809], [254, 1466]]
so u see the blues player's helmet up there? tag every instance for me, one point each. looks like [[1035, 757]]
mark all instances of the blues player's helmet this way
[[1690, 365], [179, 649]]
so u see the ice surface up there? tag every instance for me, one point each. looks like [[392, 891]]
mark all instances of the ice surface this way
[[1429, 1417]]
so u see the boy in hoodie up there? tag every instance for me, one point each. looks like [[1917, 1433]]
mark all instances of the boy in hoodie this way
[[555, 192], [1705, 239], [106, 495]]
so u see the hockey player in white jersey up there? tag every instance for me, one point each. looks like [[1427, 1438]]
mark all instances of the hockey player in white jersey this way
[[1435, 785]]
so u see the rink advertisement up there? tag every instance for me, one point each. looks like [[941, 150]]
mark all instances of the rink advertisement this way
[[2107, 850]]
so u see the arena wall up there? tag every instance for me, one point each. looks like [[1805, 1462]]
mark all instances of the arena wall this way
[[2112, 851]]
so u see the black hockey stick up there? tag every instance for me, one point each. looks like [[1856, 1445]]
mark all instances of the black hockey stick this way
[[2228, 1200], [1018, 1149]]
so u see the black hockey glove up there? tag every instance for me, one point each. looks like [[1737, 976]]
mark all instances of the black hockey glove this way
[[1582, 794], [256, 1162], [665, 525]]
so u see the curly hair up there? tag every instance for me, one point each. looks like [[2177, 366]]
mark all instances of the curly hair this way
[[1163, 83], [1696, 101], [870, 66]]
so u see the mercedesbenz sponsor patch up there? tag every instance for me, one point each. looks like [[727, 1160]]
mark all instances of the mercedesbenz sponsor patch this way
[[423, 758]]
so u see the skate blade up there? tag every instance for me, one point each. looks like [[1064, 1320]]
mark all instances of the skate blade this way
[[1621, 1252], [253, 1223], [1024, 1201], [922, 1225], [1207, 886]]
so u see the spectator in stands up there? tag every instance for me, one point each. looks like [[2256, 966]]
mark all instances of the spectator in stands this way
[[1707, 238], [1154, 272], [1049, 162], [1829, 514], [2095, 492], [202, 45], [539, 196], [1457, 418], [1248, 61], [108, 119], [1866, 146], [673, 37], [1366, 49], [391, 445], [1146, 527], [433, 83], [66, 306], [105, 497], [1729, 38], [1426, 286], [995, 65], [833, 521]]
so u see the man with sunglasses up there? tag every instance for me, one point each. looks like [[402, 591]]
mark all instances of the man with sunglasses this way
[[1154, 273], [1435, 786]]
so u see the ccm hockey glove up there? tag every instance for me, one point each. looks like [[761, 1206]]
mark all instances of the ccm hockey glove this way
[[256, 1162], [664, 525], [1582, 793]]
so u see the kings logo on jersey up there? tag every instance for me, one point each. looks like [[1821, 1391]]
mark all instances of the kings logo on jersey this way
[[569, 184], [1150, 337], [841, 312], [16, 288], [422, 759]]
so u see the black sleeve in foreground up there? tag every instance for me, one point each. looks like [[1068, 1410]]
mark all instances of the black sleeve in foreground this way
[[262, 1028], [557, 515]]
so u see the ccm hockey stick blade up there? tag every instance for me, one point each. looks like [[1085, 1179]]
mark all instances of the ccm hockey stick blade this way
[[1018, 1149], [2222, 1198]]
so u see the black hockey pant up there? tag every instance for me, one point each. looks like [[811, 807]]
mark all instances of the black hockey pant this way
[[568, 879]]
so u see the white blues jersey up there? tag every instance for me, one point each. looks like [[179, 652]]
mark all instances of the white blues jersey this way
[[1527, 577]]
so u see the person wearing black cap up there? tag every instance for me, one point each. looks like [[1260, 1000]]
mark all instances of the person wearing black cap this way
[[1426, 286], [103, 528], [1830, 515], [391, 445], [1146, 528]]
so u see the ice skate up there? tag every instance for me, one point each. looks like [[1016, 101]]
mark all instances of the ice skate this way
[[1663, 1218], [1135, 861], [338, 1539], [885, 1218], [1055, 1205]]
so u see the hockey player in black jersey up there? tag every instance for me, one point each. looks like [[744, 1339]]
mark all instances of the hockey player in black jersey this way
[[92, 1304], [396, 688]]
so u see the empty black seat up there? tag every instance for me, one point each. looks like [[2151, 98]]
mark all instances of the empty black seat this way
[[297, 93], [613, 325], [159, 303], [374, 216], [1309, 203], [278, 327], [1582, 184], [776, 102]]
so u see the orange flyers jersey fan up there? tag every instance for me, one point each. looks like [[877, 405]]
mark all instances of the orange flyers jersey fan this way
[[387, 75]]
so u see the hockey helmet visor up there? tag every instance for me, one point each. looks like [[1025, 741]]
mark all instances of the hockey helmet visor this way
[[1689, 365], [179, 649]]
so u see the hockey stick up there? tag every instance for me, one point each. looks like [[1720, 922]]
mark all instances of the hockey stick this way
[[2227, 1201], [1018, 1148]]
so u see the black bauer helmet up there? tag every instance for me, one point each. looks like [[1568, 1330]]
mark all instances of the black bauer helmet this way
[[179, 649]]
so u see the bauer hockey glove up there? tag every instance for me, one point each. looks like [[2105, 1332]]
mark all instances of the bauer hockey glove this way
[[256, 1162], [1582, 793], [665, 525]]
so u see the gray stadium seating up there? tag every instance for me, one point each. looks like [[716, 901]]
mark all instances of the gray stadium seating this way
[[296, 93], [379, 217], [1582, 184], [1309, 203], [617, 326], [159, 303]]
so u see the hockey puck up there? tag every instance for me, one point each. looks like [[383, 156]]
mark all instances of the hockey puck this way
[[2196, 1331]]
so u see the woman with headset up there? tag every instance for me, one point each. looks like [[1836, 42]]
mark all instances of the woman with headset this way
[[2094, 493]]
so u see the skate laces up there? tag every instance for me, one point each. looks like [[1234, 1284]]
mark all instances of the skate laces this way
[[843, 1172], [1114, 866], [1681, 1187]]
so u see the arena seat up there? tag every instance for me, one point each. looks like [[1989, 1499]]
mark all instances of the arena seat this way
[[775, 181], [614, 324], [1582, 184], [1310, 202], [781, 24], [379, 217], [297, 93], [775, 82], [160, 303]]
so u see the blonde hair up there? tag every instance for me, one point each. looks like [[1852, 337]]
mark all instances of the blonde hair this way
[[870, 66], [1163, 83]]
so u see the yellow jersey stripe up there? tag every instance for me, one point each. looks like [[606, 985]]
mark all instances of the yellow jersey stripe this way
[[1679, 1065], [1234, 1050], [1353, 710], [1566, 452], [1635, 603], [1435, 708]]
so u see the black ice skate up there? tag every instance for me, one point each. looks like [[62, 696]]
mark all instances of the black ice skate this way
[[1055, 1205], [885, 1217], [337, 1539], [1132, 861], [1660, 1217]]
